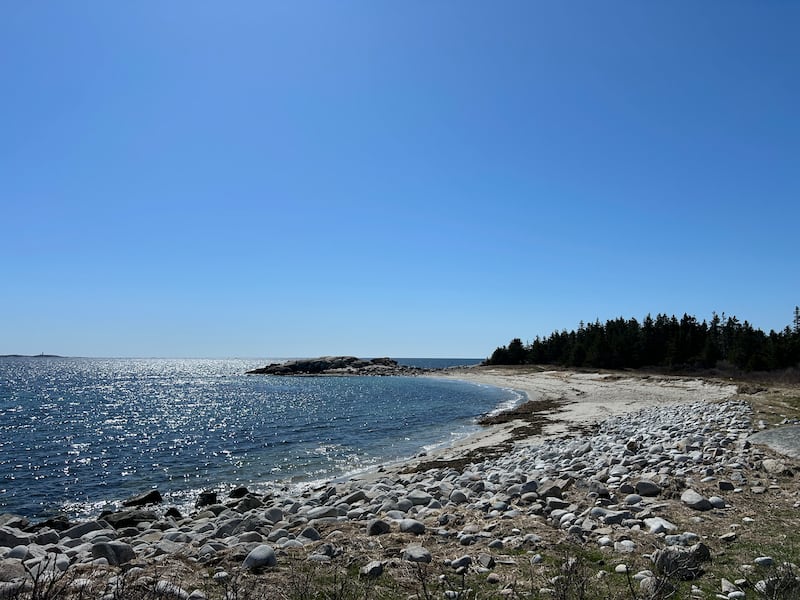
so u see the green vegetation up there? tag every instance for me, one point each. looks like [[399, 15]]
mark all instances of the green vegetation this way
[[662, 341]]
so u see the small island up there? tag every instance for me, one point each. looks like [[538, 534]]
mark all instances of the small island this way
[[338, 365]]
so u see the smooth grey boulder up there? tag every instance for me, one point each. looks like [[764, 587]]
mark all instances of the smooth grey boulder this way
[[116, 553], [310, 534], [659, 525], [274, 514], [260, 557], [694, 500], [458, 497], [354, 497], [412, 526], [378, 527], [417, 554], [324, 512], [648, 488], [419, 498]]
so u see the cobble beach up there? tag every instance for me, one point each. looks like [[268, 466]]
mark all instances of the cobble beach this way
[[657, 469]]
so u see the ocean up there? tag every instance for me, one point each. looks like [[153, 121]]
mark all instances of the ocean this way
[[78, 435]]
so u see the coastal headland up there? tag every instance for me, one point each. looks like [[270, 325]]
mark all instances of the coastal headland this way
[[629, 485], [338, 365]]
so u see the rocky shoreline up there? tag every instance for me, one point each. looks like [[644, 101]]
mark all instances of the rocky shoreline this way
[[338, 365], [655, 483]]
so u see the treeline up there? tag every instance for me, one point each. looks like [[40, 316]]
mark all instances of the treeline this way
[[664, 342]]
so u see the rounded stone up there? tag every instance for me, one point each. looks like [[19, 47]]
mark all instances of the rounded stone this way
[[378, 527], [259, 557], [412, 526]]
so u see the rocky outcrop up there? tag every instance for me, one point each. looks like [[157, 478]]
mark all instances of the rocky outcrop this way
[[337, 365]]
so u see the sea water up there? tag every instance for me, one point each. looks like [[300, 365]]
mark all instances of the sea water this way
[[78, 435]]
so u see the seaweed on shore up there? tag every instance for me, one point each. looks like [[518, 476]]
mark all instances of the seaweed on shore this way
[[534, 415]]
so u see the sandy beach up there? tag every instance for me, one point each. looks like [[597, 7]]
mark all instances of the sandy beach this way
[[571, 401]]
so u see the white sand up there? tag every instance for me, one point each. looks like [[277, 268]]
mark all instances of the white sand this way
[[584, 398]]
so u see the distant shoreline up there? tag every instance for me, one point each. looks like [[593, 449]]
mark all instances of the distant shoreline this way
[[31, 356]]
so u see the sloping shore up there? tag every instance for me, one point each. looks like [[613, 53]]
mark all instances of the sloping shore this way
[[646, 473]]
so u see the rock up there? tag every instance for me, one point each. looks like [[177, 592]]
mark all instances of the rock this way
[[116, 553], [550, 489], [206, 498], [658, 525], [774, 466], [173, 513], [625, 546], [419, 498], [645, 487], [695, 501], [371, 570], [764, 561], [486, 560], [129, 518], [260, 557], [354, 497], [11, 536], [311, 534], [249, 502], [238, 492], [168, 589], [274, 515], [417, 554], [324, 512], [717, 502], [151, 497], [378, 527], [412, 526], [458, 497], [464, 561], [337, 365], [81, 529], [683, 563], [632, 499], [657, 587], [11, 569]]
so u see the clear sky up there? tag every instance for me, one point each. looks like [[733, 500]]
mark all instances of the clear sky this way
[[217, 179]]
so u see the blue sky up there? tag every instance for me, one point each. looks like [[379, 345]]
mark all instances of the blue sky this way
[[376, 178]]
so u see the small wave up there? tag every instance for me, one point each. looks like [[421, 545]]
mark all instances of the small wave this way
[[517, 398]]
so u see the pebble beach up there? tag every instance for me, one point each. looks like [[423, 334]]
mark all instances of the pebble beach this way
[[625, 466]]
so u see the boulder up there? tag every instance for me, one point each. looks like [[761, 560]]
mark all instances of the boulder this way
[[371, 570], [417, 554], [11, 536], [129, 518], [116, 553], [412, 526], [378, 527], [648, 488], [151, 497], [683, 563], [695, 501], [260, 557], [206, 498]]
